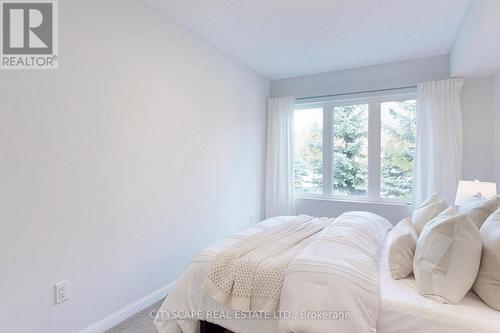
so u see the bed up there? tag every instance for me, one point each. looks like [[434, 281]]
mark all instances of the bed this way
[[343, 272]]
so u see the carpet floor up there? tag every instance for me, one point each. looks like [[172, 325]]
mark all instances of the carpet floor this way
[[138, 323]]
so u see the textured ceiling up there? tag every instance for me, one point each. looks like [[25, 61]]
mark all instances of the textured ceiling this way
[[284, 38]]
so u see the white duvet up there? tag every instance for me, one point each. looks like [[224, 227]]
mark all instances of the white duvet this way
[[331, 286]]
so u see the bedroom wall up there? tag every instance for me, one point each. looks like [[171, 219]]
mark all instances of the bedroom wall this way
[[478, 113], [398, 74], [476, 51], [496, 130], [120, 165]]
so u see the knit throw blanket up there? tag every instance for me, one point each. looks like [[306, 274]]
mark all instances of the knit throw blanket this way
[[249, 275]]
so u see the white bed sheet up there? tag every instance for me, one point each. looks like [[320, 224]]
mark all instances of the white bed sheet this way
[[336, 273], [404, 310]]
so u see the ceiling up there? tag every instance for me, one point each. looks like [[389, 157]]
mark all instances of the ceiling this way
[[285, 38]]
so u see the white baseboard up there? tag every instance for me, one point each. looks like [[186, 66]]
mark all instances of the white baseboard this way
[[128, 311]]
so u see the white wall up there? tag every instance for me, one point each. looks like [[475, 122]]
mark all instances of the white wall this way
[[477, 101], [399, 74], [496, 130], [476, 50], [145, 146], [476, 53]]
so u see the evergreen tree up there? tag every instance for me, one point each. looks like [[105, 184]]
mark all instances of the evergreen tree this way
[[399, 151], [350, 145], [308, 165]]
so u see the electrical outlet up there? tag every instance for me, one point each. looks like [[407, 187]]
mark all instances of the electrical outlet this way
[[62, 291]]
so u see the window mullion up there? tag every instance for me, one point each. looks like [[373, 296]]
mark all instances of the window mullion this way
[[327, 149], [374, 132]]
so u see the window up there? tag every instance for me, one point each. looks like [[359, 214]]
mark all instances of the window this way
[[308, 164], [359, 149], [350, 149], [398, 148]]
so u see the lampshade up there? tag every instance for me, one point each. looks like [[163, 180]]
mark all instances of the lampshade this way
[[467, 189]]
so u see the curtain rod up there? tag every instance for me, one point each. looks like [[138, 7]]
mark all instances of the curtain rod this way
[[356, 92]]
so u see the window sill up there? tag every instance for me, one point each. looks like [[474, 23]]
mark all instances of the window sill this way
[[354, 200]]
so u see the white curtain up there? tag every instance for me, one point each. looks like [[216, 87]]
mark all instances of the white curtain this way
[[439, 146], [279, 198]]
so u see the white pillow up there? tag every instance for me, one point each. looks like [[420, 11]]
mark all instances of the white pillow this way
[[450, 211], [487, 284], [434, 197], [427, 211], [403, 241], [479, 208], [447, 257]]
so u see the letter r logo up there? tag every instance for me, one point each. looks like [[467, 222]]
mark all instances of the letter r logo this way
[[27, 27]]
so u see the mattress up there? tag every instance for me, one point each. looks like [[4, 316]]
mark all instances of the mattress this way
[[403, 309]]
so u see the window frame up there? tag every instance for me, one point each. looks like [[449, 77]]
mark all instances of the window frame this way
[[374, 102]]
